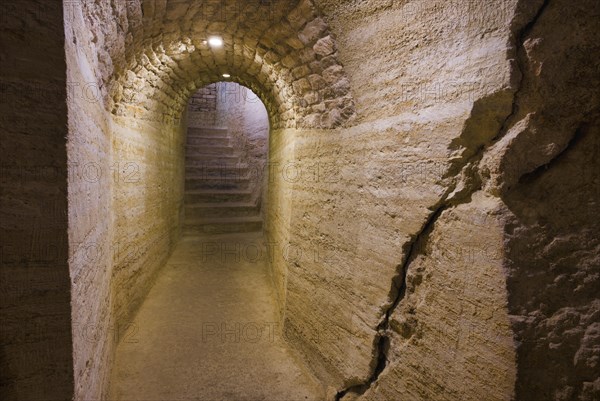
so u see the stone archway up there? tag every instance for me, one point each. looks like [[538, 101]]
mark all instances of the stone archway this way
[[143, 60]]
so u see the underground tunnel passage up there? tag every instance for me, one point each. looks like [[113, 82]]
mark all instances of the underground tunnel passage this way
[[411, 213], [212, 309]]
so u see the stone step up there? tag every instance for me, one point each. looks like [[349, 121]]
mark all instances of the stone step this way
[[203, 132], [222, 225], [193, 150], [217, 195], [227, 209], [205, 170], [241, 182], [208, 141], [204, 159]]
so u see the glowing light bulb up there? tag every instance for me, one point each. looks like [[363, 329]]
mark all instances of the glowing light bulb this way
[[215, 41]]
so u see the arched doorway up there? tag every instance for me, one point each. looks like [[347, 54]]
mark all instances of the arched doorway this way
[[226, 156]]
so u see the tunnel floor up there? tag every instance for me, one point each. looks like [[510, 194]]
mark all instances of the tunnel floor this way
[[207, 331]]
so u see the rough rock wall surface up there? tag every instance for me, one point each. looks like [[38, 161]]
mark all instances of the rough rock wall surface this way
[[555, 88], [279, 199], [147, 206], [449, 336], [35, 312], [547, 170], [455, 102], [125, 199], [90, 220], [480, 98], [381, 180], [554, 272]]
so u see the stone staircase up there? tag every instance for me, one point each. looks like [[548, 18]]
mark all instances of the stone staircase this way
[[218, 196]]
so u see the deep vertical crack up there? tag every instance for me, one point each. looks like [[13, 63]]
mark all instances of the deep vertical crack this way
[[415, 246], [397, 293]]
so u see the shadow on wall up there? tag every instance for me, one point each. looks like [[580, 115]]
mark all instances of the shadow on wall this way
[[552, 180], [551, 244]]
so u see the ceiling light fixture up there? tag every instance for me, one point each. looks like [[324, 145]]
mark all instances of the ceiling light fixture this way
[[215, 41]]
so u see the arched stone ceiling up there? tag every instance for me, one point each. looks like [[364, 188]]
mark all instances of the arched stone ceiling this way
[[283, 50]]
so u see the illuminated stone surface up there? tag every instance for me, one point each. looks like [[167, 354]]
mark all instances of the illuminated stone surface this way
[[433, 181]]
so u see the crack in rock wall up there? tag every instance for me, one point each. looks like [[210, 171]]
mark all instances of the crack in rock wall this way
[[452, 334], [410, 150], [386, 112]]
